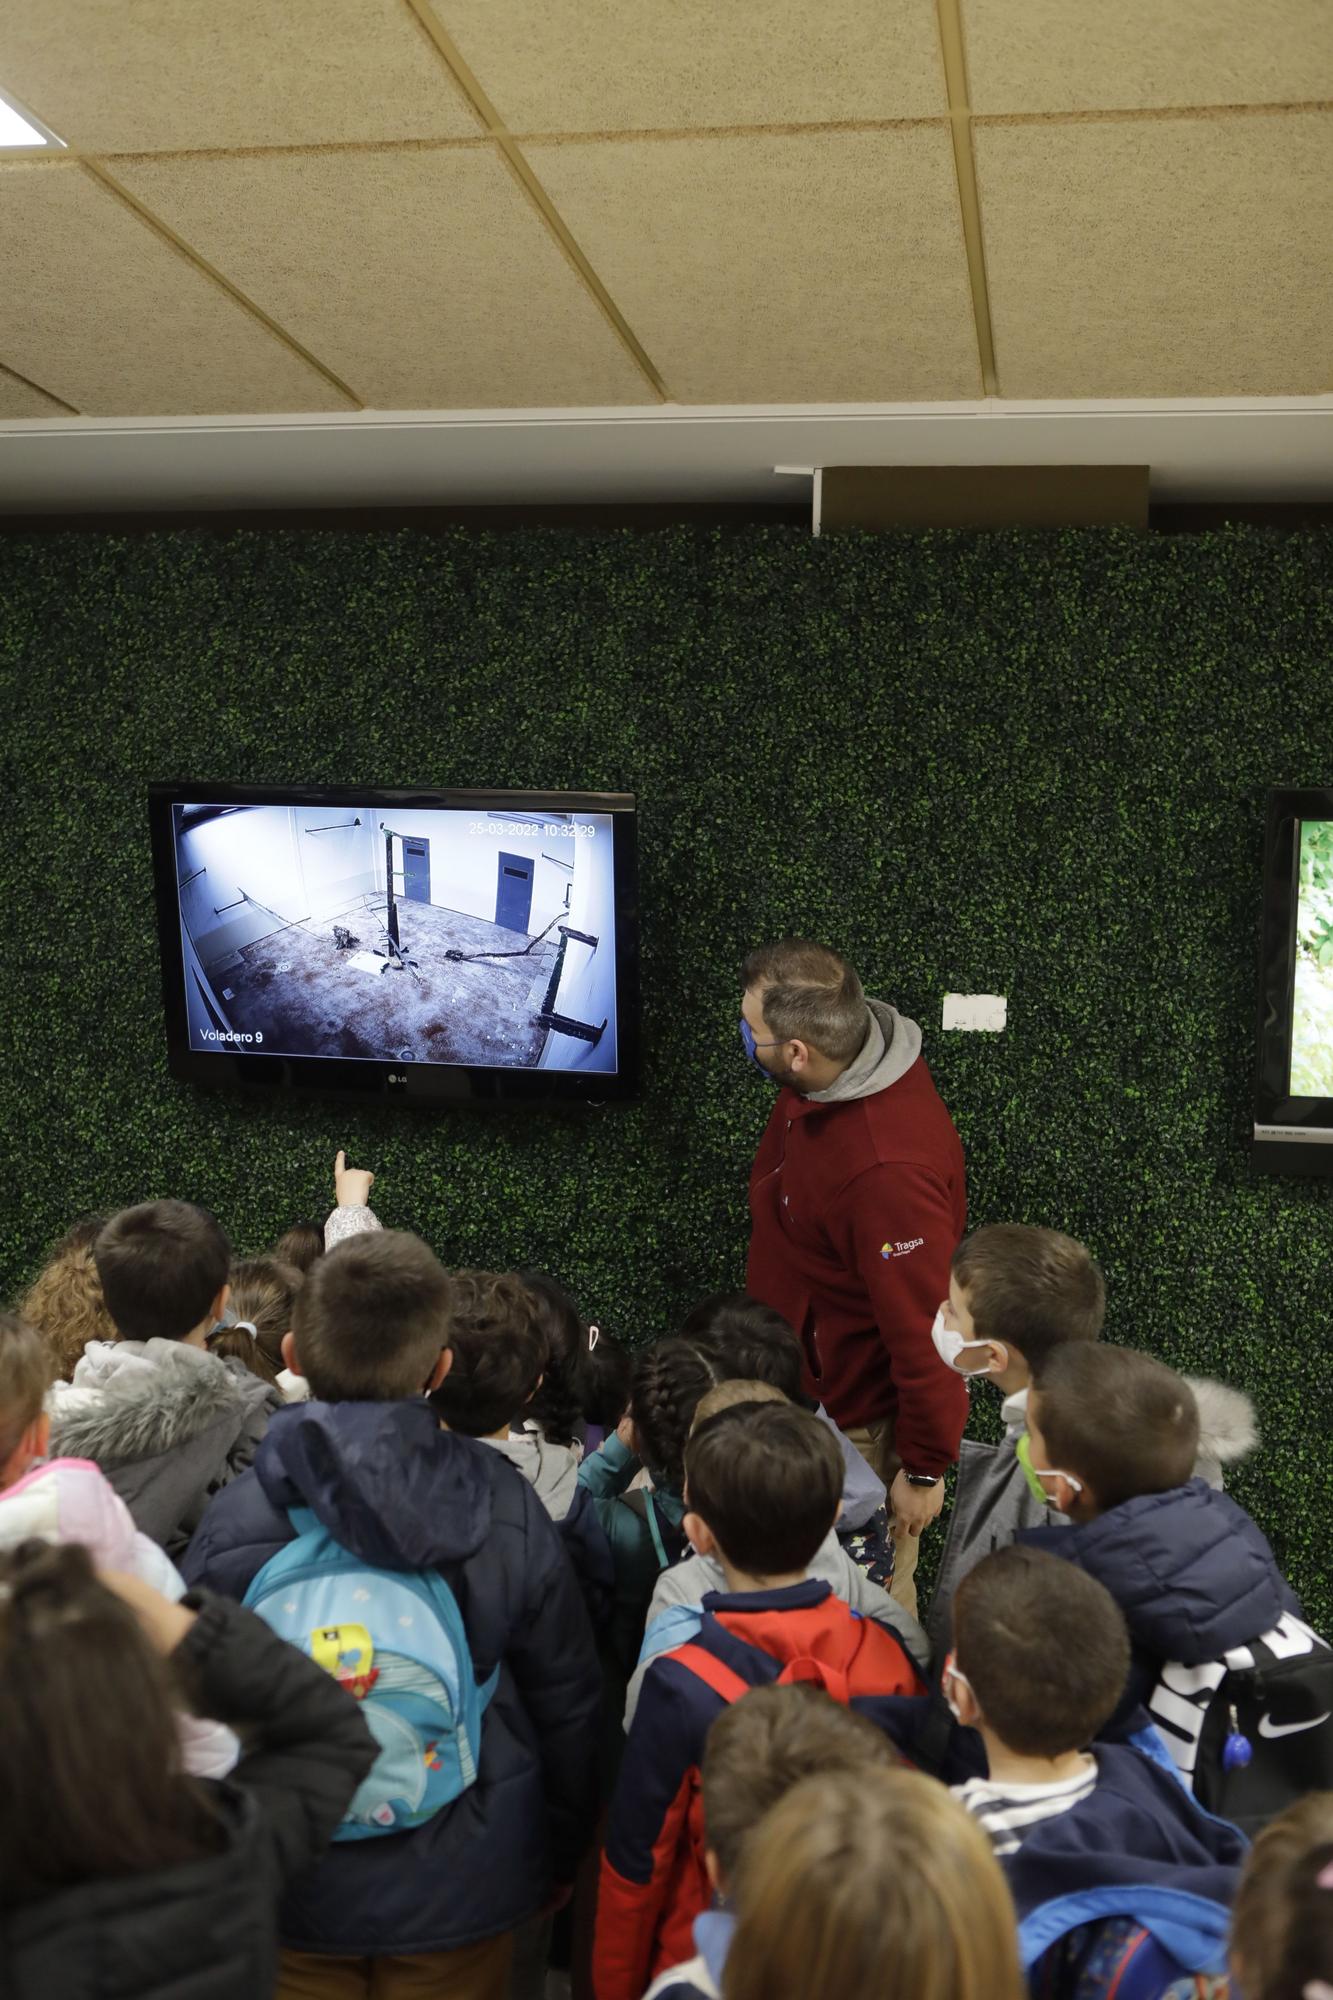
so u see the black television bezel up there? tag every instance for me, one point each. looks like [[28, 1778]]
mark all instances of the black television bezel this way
[[1291, 1135], [439, 1086]]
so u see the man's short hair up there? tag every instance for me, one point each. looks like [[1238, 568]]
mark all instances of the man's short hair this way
[[752, 1341], [1121, 1421], [25, 1377], [1044, 1648], [765, 1743], [811, 995], [499, 1352], [767, 1479], [1033, 1289], [161, 1266], [372, 1319]]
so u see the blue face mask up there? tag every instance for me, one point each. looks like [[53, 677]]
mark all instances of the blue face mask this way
[[749, 1044]]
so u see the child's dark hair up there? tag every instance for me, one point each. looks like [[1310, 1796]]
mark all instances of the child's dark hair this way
[[608, 1375], [752, 1341], [25, 1377], [559, 1405], [499, 1351], [766, 1478], [300, 1245], [372, 1319], [1121, 1421], [263, 1296], [767, 1742], [86, 1803], [669, 1378], [1033, 1289], [1044, 1647], [161, 1264], [1282, 1922]]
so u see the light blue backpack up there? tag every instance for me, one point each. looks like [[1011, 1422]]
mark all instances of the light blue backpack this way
[[395, 1640]]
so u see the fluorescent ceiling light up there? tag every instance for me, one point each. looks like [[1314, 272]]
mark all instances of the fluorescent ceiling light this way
[[20, 128]]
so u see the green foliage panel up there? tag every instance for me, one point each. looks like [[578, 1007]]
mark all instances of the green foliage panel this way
[[1017, 763]]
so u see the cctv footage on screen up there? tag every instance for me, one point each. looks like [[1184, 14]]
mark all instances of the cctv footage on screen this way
[[428, 936]]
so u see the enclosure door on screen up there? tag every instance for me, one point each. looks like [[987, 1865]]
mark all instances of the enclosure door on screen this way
[[416, 870], [513, 892]]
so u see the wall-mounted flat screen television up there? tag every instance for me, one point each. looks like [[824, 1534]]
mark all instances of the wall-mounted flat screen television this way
[[431, 945], [1293, 1098]]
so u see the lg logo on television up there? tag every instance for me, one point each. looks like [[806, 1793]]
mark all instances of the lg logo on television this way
[[396, 1076]]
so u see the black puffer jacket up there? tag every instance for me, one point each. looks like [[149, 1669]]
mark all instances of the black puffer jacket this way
[[208, 1930]]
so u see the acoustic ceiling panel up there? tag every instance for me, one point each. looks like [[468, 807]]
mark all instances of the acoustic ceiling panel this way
[[113, 320], [20, 399], [136, 77], [820, 267], [1049, 55], [424, 278], [604, 65], [1168, 257]]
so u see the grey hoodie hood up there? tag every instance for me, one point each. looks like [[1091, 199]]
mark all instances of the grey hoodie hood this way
[[891, 1046], [552, 1470]]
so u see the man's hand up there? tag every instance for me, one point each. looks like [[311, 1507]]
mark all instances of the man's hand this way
[[913, 1507], [351, 1185]]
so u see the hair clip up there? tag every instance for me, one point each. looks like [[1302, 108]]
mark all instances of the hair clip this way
[[1317, 1989], [245, 1326], [594, 1335], [1324, 1880]]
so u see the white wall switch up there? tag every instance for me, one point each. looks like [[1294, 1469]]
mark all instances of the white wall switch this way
[[986, 1011]]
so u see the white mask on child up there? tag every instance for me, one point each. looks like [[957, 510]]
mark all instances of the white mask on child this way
[[949, 1674], [949, 1344]]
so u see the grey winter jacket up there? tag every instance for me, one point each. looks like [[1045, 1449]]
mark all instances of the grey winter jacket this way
[[169, 1425], [993, 1502]]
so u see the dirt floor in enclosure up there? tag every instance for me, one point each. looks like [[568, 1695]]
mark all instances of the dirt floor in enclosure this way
[[306, 997]]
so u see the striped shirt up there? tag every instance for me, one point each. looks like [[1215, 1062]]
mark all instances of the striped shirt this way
[[1007, 1811]]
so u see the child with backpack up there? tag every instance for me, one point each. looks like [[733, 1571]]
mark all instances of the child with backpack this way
[[1282, 1924], [119, 1875], [499, 1359], [757, 1750], [871, 1884], [764, 1482], [1016, 1294], [168, 1422], [1091, 1834], [363, 1522], [1238, 1686]]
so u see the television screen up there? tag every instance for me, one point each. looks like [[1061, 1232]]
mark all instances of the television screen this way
[[1293, 1114], [442, 944]]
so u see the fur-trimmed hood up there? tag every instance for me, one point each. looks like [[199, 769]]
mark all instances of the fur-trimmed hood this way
[[1228, 1427], [169, 1424]]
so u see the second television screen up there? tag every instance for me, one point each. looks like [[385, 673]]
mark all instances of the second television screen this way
[[443, 935]]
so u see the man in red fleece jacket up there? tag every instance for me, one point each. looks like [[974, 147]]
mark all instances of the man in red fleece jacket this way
[[857, 1203]]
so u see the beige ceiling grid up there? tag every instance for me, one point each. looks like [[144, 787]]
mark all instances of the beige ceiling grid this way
[[284, 205]]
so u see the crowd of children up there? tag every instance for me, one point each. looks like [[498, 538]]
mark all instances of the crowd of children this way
[[373, 1629]]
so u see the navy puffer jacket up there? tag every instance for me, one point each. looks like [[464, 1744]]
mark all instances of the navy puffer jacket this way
[[1192, 1573], [399, 1492]]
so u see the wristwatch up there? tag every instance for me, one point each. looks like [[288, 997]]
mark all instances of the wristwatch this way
[[922, 1478]]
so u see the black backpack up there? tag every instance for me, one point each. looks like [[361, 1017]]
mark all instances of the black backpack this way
[[1251, 1732]]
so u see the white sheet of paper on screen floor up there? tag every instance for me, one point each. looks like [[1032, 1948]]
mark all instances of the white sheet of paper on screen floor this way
[[987, 1012]]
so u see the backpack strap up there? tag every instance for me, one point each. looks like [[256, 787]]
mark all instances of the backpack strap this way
[[714, 1673]]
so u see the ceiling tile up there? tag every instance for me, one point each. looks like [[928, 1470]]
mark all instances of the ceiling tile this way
[[1046, 55], [136, 77], [602, 65], [111, 318], [822, 267], [424, 278], [1165, 257], [20, 399]]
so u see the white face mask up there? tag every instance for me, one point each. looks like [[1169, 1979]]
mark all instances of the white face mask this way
[[949, 1344]]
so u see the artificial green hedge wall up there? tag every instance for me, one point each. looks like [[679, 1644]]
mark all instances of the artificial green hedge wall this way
[[1018, 763]]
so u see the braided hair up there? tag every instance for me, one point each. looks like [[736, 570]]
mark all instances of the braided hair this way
[[669, 1378]]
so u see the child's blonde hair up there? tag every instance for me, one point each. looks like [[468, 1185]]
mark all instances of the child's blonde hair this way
[[64, 1301], [25, 1377], [1282, 1920], [852, 1880], [730, 1395]]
